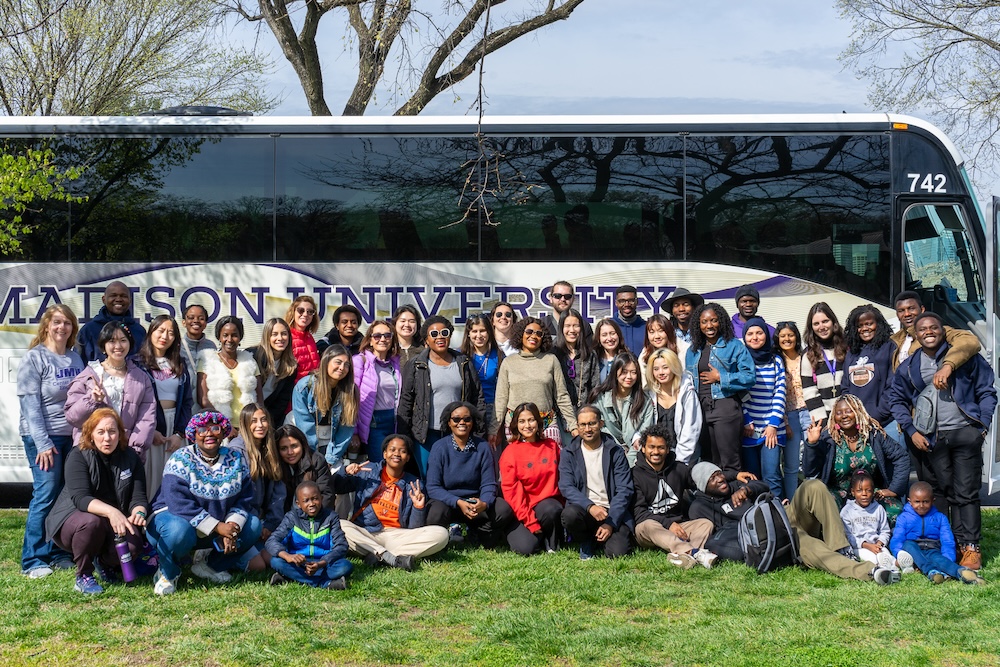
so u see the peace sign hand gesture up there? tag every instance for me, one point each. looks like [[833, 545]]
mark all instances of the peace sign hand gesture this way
[[814, 430], [417, 495]]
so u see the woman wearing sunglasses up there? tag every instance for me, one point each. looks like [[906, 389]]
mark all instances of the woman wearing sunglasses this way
[[534, 375], [303, 322], [504, 318], [434, 378], [377, 374], [462, 481]]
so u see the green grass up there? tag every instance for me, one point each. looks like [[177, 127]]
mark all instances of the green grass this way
[[474, 607]]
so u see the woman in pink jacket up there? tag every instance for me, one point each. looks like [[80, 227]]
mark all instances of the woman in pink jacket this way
[[376, 372], [116, 383]]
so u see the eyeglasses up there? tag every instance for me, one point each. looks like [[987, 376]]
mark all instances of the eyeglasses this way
[[563, 297], [209, 428], [381, 336], [499, 315], [305, 311], [534, 333], [461, 420], [627, 302], [442, 333], [588, 424]]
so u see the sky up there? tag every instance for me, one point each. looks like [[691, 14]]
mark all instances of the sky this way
[[638, 56]]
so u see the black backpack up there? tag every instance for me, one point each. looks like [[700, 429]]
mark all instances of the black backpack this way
[[766, 536]]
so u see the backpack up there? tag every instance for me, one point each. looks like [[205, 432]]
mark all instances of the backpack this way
[[766, 536]]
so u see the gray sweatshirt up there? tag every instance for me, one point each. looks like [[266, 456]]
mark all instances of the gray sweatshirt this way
[[865, 524]]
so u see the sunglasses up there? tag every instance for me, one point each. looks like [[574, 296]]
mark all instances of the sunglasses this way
[[499, 315], [381, 336], [534, 333], [209, 428], [436, 333], [563, 297], [305, 311], [461, 420]]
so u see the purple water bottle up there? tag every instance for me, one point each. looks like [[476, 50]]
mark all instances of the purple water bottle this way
[[125, 556]]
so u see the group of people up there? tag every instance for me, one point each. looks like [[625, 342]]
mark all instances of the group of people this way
[[391, 443]]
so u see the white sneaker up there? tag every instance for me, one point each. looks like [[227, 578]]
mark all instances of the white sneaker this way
[[39, 572], [682, 560], [162, 585], [904, 562], [201, 569], [705, 558], [885, 559]]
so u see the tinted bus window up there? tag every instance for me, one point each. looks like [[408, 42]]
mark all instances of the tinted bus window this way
[[608, 198], [350, 198], [815, 207]]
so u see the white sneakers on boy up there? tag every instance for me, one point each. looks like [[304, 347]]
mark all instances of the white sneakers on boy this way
[[905, 562], [884, 559]]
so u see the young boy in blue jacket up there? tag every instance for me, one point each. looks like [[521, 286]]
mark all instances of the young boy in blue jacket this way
[[923, 533], [309, 544]]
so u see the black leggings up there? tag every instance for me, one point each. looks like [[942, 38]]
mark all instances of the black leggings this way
[[724, 424], [524, 542]]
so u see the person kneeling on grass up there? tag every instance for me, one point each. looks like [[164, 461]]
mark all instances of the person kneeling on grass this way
[[595, 480], [310, 544], [387, 526], [660, 510], [205, 501], [923, 537], [723, 503]]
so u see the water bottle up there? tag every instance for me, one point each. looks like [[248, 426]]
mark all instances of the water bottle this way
[[125, 557]]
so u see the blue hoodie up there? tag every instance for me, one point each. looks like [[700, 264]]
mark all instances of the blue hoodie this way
[[86, 341], [933, 526]]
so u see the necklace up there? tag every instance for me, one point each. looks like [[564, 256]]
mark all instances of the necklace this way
[[209, 460], [106, 363], [229, 363]]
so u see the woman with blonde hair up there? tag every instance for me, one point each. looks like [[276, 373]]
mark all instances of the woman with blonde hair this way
[[675, 402], [325, 404], [43, 378], [302, 319], [278, 368]]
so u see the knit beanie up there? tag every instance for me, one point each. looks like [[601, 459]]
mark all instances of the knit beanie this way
[[701, 473], [747, 290]]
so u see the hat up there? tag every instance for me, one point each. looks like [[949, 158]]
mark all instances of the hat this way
[[695, 299], [702, 472], [204, 419], [747, 290]]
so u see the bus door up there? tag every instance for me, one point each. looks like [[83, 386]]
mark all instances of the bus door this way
[[992, 458]]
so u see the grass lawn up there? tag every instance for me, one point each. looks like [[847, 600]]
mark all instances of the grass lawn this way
[[473, 607]]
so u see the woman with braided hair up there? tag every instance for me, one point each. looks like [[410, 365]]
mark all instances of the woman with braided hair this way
[[852, 440]]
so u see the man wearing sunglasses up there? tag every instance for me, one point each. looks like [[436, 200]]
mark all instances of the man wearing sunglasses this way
[[561, 297]]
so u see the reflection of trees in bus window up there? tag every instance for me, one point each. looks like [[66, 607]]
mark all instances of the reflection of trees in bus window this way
[[809, 206], [938, 252]]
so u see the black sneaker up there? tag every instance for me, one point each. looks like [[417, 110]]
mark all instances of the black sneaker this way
[[278, 580], [405, 563], [338, 584], [847, 551], [371, 560]]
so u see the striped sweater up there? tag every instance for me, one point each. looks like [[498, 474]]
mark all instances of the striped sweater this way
[[820, 387], [766, 404]]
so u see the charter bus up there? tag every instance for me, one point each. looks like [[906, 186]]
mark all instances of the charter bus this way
[[241, 214]]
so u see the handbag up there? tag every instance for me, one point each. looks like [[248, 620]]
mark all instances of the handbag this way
[[925, 410]]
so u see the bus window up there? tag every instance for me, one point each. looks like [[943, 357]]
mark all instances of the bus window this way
[[939, 256]]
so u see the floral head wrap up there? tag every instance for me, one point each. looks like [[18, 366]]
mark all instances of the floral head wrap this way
[[205, 418]]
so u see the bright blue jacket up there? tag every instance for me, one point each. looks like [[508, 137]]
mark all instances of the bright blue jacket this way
[[365, 483], [934, 526], [971, 386], [735, 365], [617, 479], [321, 538], [307, 417]]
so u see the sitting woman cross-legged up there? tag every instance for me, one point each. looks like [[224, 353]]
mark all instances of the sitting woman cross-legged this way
[[387, 526], [205, 502], [104, 496], [461, 478]]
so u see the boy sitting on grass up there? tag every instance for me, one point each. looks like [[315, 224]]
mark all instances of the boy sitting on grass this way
[[923, 534], [309, 544]]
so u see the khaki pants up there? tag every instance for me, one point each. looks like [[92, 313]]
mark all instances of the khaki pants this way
[[814, 515], [416, 542], [652, 535]]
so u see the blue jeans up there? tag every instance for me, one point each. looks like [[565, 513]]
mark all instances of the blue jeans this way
[[175, 537], [765, 462], [930, 559], [383, 425], [333, 570], [422, 450], [798, 422], [46, 484]]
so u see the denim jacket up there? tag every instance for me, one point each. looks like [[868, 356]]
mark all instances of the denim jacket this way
[[307, 417], [735, 365]]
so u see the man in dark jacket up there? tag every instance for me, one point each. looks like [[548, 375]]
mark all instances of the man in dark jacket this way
[[596, 482], [660, 513], [952, 448], [117, 307], [723, 503]]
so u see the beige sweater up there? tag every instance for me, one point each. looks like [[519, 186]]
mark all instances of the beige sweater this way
[[533, 378]]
